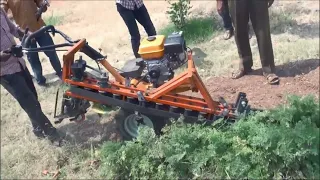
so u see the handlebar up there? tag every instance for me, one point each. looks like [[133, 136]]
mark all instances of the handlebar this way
[[88, 50], [27, 40]]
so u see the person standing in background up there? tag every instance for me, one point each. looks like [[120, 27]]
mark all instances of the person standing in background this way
[[24, 14], [130, 11], [223, 11], [258, 13]]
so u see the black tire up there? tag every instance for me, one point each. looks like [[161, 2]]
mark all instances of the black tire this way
[[120, 117]]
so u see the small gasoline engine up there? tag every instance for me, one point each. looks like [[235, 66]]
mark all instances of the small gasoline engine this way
[[162, 55]]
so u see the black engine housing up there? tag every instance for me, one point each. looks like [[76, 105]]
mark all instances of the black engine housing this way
[[175, 44]]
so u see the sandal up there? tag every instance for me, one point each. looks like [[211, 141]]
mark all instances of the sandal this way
[[228, 34], [239, 73], [272, 79]]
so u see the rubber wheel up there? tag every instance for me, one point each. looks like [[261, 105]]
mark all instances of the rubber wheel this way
[[128, 126]]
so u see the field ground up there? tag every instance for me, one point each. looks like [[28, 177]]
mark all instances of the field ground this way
[[295, 36]]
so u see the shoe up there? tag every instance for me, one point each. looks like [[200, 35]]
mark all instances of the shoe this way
[[38, 133], [240, 73], [270, 76], [54, 137], [59, 75], [43, 84], [42, 81]]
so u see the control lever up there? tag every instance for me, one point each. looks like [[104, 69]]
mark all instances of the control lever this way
[[96, 70]]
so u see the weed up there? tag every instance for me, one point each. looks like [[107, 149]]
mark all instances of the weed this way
[[196, 30], [178, 12]]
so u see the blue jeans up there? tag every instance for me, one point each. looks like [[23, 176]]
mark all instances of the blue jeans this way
[[130, 17], [225, 15], [33, 58]]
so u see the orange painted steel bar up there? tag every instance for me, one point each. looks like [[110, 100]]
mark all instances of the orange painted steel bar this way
[[165, 94], [182, 102], [68, 58], [115, 74]]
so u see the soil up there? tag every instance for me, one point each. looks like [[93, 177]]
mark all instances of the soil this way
[[299, 78]]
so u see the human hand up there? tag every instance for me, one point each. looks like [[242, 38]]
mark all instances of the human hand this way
[[5, 55], [270, 2], [22, 34], [219, 6], [44, 6]]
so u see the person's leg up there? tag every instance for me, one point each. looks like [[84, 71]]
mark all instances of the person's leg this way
[[35, 63], [227, 22], [143, 17], [240, 17], [17, 86], [46, 40], [128, 18], [259, 15], [29, 82], [249, 31]]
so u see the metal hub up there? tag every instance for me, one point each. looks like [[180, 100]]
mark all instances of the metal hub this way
[[132, 123]]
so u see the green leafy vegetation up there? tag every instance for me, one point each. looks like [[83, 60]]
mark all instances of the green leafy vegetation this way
[[178, 12], [280, 143], [196, 30]]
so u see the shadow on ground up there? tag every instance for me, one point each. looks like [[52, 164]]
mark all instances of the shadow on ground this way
[[94, 130], [198, 57], [294, 68]]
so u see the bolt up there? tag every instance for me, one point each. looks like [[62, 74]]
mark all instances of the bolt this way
[[243, 103]]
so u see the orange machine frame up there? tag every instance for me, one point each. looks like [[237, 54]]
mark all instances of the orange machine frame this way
[[166, 94]]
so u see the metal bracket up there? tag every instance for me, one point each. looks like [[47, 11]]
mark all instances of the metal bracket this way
[[242, 105], [223, 102], [127, 82], [140, 96], [240, 95]]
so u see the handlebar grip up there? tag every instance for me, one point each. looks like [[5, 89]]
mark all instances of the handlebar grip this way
[[26, 42]]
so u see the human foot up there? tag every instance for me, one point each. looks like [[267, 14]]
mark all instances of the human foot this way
[[239, 73]]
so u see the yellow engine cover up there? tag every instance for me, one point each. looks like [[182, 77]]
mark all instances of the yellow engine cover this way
[[152, 47]]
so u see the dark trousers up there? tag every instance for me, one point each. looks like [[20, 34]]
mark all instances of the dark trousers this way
[[130, 17], [33, 58], [225, 15], [21, 87], [257, 11]]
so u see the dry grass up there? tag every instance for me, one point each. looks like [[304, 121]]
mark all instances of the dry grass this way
[[295, 30]]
